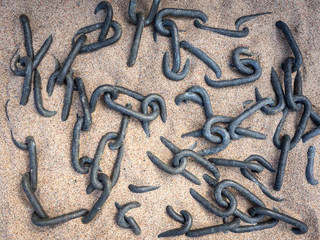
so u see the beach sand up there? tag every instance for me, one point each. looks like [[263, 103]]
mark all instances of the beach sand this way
[[61, 189]]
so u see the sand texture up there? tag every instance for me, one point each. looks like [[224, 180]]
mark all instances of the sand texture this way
[[61, 189]]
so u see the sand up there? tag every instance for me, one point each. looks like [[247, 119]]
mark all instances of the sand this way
[[61, 189]]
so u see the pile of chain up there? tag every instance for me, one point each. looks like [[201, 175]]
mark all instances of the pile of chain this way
[[64, 75], [153, 105]]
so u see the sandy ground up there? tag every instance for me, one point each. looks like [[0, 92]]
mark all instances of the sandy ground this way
[[61, 189]]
